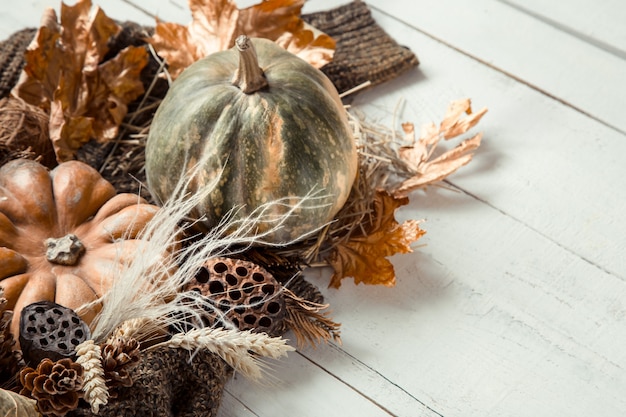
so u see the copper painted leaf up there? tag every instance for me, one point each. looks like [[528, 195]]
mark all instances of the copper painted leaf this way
[[417, 157], [452, 124], [216, 24], [364, 256], [65, 75]]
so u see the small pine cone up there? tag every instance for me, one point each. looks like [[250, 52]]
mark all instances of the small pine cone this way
[[119, 356], [55, 385], [9, 359]]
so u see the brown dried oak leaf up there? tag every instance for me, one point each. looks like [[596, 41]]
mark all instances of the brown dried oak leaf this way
[[364, 255], [216, 24], [64, 74], [416, 157]]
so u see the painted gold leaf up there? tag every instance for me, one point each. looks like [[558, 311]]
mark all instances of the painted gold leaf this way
[[418, 157], [216, 24], [65, 75]]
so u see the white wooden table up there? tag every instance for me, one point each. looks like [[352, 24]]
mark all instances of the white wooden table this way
[[516, 305]]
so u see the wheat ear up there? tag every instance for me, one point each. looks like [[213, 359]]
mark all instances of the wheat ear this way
[[236, 347], [94, 385]]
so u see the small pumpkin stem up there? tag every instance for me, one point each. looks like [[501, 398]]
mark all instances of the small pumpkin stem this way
[[249, 76], [65, 250]]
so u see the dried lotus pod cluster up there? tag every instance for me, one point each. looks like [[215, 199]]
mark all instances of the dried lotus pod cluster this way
[[248, 295], [50, 330]]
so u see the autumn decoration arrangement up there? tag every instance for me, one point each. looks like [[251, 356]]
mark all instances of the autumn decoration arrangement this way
[[140, 289]]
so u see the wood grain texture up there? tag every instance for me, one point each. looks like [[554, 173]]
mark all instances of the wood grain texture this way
[[600, 23], [525, 48], [514, 303]]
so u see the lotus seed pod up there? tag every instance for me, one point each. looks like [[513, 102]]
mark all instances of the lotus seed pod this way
[[50, 330], [248, 295]]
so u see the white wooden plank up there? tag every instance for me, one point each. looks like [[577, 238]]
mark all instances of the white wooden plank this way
[[233, 407], [599, 22], [550, 327], [175, 11], [13, 19], [376, 386], [491, 319], [302, 389], [586, 77], [542, 163]]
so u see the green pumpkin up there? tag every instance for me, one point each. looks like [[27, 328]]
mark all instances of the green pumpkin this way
[[268, 124]]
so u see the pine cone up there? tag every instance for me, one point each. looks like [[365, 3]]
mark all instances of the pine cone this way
[[119, 357], [55, 385], [9, 359]]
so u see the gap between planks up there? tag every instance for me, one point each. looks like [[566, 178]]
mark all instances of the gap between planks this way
[[368, 373], [497, 68], [597, 42]]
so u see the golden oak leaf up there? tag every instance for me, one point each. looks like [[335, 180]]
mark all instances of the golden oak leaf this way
[[66, 76], [417, 156], [364, 256], [216, 24]]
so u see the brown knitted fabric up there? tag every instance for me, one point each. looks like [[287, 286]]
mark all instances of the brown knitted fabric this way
[[364, 51], [169, 383], [12, 59]]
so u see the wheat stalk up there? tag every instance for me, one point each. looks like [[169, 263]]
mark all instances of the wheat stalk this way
[[94, 385], [236, 347]]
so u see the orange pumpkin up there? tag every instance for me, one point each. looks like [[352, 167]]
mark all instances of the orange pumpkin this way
[[64, 235]]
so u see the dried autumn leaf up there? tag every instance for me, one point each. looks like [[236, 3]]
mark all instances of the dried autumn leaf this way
[[216, 24], [64, 74], [14, 404], [421, 171], [364, 256], [452, 124]]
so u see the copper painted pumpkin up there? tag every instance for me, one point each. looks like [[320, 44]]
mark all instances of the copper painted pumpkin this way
[[267, 124], [64, 234]]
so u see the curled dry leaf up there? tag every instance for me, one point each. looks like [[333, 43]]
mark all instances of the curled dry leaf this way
[[16, 405], [64, 74], [216, 24], [364, 255], [420, 169]]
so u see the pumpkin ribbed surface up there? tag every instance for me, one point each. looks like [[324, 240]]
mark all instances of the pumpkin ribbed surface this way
[[284, 141], [39, 210]]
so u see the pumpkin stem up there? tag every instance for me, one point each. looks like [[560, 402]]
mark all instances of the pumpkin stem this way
[[65, 250], [249, 76]]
